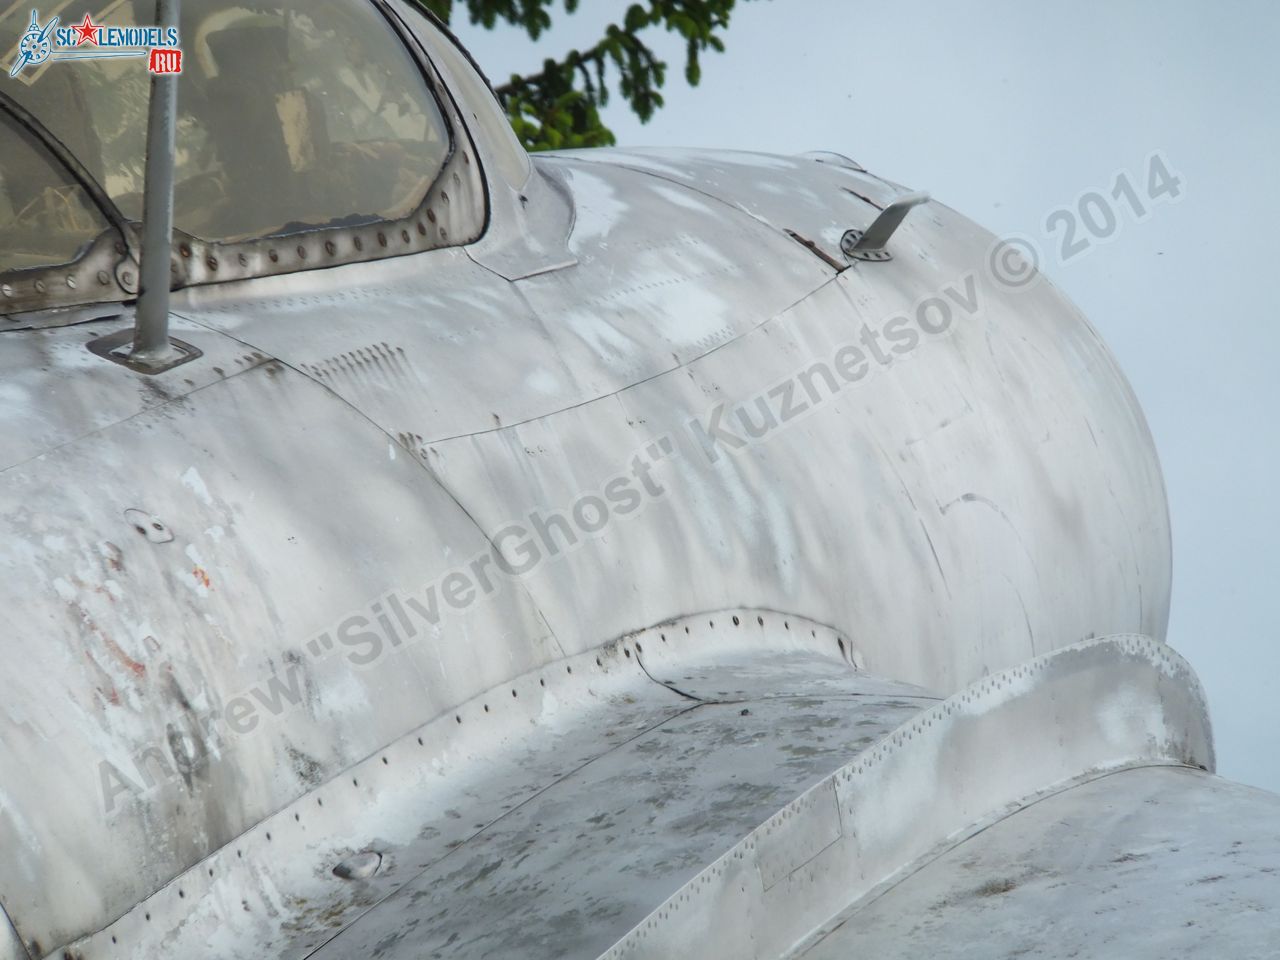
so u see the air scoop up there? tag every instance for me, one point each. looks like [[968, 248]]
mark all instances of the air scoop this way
[[871, 244]]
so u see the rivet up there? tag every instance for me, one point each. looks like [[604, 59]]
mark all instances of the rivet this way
[[211, 263], [127, 278], [104, 278], [6, 290], [330, 247], [244, 261], [431, 215], [302, 252], [382, 239], [275, 257], [71, 282], [444, 234], [404, 235], [184, 249], [444, 197], [40, 286], [422, 229], [359, 243]]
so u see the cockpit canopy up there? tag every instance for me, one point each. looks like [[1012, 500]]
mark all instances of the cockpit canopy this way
[[323, 120]]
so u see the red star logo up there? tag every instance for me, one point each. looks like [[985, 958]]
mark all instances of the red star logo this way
[[88, 31]]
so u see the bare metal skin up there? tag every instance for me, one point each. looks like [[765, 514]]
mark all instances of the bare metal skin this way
[[628, 572]]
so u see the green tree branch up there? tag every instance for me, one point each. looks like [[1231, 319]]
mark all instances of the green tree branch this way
[[558, 107]]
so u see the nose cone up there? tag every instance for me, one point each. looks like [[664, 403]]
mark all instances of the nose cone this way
[[935, 448]]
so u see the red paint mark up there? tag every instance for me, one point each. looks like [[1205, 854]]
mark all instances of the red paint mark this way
[[114, 556], [139, 670], [202, 578]]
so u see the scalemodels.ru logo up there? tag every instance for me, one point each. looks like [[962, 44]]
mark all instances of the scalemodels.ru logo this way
[[97, 41]]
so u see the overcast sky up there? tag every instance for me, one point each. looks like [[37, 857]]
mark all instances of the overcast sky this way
[[1007, 111]]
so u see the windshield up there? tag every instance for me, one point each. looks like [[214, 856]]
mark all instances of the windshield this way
[[293, 115], [46, 218]]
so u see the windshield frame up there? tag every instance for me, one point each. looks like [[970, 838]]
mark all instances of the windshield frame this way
[[105, 271]]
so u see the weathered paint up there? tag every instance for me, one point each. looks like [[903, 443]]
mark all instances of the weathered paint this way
[[1002, 743], [178, 545], [1161, 862]]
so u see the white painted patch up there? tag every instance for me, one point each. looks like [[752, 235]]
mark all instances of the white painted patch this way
[[598, 208], [685, 199], [541, 381], [1129, 714], [195, 483], [766, 161]]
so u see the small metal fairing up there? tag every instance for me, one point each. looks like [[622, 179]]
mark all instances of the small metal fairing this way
[[530, 227], [531, 211]]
